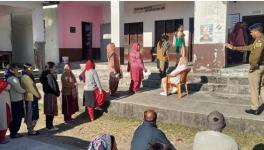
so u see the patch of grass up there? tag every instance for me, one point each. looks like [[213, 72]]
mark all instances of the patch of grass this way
[[123, 129]]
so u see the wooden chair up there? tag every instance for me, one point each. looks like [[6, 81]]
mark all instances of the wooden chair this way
[[183, 80]]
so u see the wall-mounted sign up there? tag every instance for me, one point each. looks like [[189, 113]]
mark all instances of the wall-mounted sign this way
[[149, 8], [232, 20]]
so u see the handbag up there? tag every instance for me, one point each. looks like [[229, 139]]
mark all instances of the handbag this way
[[100, 97]]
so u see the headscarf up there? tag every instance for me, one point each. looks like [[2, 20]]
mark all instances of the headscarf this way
[[26, 66], [110, 50], [216, 121], [88, 65], [3, 85], [134, 58], [102, 142], [183, 61], [69, 76], [8, 73]]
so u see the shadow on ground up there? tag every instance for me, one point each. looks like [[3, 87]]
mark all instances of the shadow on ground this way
[[196, 86], [65, 142]]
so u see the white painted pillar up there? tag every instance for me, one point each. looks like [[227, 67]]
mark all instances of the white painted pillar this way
[[117, 25], [38, 37], [37, 24], [51, 35], [210, 33]]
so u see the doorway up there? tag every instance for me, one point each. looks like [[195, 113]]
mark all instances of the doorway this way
[[105, 39], [166, 26], [87, 40], [236, 57], [191, 37]]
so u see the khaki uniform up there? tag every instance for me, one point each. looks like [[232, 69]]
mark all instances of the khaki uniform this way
[[256, 82]]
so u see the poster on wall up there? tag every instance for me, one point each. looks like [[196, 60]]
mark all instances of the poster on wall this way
[[206, 33]]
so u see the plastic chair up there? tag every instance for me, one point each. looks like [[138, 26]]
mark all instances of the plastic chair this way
[[183, 80]]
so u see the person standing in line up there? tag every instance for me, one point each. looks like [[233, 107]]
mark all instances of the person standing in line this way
[[69, 94], [17, 100], [163, 55], [5, 110], [179, 43], [256, 69], [51, 92], [135, 67], [114, 69], [91, 84], [31, 98]]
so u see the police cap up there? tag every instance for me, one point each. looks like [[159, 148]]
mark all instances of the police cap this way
[[256, 26]]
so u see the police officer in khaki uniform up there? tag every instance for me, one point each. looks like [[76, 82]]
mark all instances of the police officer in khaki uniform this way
[[256, 68]]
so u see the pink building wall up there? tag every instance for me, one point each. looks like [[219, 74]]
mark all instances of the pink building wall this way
[[72, 14]]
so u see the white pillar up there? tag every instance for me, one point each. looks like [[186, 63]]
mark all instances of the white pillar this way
[[51, 35], [37, 24], [209, 35], [38, 37], [117, 26]]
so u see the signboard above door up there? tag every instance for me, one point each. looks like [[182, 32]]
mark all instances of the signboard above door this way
[[149, 8]]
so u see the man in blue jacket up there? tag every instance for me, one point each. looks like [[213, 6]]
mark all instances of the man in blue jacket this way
[[148, 133]]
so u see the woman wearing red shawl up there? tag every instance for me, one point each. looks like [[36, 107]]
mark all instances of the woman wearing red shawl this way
[[92, 83], [5, 111], [136, 67]]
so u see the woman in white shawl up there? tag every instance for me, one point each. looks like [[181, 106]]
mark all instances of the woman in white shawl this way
[[5, 110], [174, 76]]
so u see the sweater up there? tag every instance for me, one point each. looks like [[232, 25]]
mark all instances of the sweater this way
[[68, 82], [213, 140], [91, 81], [16, 91], [147, 134], [28, 84], [49, 83]]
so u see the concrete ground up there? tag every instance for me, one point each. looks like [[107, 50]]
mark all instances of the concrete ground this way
[[190, 110], [28, 144]]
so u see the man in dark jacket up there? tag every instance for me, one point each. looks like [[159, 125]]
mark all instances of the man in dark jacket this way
[[148, 133], [51, 92]]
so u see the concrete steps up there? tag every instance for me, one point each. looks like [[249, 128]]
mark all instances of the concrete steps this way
[[232, 80], [190, 110]]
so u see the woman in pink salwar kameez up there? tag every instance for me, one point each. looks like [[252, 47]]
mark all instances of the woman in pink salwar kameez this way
[[136, 68]]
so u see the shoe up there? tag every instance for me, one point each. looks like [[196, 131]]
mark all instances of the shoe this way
[[113, 95], [34, 133], [53, 129], [253, 112], [68, 122], [173, 91], [4, 141], [164, 94], [16, 136], [131, 92]]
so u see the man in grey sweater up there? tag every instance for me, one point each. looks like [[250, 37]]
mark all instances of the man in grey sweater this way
[[214, 139], [17, 102]]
